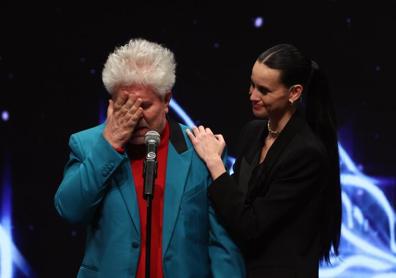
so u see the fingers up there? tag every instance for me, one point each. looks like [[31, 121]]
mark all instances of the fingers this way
[[133, 118], [208, 131], [198, 131], [120, 100], [191, 136], [126, 102], [136, 105], [132, 102], [129, 112], [202, 131], [220, 138], [134, 110]]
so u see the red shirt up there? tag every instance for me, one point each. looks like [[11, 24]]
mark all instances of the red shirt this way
[[156, 270]]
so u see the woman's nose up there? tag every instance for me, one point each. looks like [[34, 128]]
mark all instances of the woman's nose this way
[[253, 94]]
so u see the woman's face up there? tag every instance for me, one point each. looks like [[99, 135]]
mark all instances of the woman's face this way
[[269, 97]]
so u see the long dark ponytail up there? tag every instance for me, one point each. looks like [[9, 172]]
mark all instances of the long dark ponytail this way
[[318, 107]]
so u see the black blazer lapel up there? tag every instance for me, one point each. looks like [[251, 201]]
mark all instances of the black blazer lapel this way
[[249, 144], [259, 182], [176, 136]]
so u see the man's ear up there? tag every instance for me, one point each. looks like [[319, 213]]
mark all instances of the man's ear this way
[[167, 99]]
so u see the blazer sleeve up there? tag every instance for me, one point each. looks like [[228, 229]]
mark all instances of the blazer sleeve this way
[[85, 178], [247, 218], [226, 258]]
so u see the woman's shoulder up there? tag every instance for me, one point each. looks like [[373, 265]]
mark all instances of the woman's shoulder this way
[[254, 126], [307, 142], [251, 130], [249, 134]]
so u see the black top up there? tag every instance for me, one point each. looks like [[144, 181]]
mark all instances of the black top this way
[[273, 209]]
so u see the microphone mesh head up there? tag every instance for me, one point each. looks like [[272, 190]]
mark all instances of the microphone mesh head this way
[[152, 135]]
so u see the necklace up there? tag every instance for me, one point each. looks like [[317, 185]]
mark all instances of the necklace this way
[[272, 132]]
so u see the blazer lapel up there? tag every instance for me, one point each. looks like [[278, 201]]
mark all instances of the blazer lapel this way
[[128, 193], [291, 129], [255, 139], [245, 172], [252, 142], [178, 165], [176, 174]]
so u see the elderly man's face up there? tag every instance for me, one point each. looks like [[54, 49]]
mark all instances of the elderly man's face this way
[[154, 107]]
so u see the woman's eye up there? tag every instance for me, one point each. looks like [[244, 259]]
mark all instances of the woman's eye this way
[[263, 91]]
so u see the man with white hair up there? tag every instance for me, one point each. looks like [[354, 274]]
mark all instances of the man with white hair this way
[[103, 182]]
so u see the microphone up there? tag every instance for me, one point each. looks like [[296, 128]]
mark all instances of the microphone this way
[[151, 140]]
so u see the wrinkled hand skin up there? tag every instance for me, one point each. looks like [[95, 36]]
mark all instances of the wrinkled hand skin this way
[[123, 115]]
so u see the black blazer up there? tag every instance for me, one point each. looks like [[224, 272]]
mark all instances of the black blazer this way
[[273, 209]]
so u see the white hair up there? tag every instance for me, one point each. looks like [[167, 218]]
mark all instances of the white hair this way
[[140, 62]]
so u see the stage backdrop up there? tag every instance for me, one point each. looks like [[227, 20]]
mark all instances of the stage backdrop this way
[[50, 86]]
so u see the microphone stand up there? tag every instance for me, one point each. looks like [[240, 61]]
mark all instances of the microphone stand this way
[[150, 173]]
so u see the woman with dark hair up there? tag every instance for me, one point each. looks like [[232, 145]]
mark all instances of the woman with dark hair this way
[[282, 204]]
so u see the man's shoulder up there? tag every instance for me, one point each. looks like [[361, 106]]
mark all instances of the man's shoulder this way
[[183, 127], [174, 123], [89, 132]]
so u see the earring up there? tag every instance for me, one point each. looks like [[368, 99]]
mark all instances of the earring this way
[[291, 102]]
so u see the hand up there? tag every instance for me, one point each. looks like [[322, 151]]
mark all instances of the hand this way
[[122, 117], [209, 148]]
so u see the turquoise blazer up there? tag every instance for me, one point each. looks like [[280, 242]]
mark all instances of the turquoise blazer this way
[[98, 190]]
